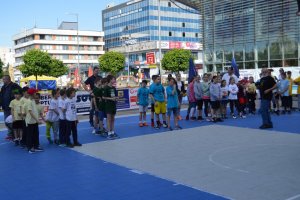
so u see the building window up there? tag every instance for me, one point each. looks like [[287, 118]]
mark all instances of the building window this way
[[169, 4], [95, 39], [170, 33], [183, 34], [183, 24], [42, 37], [196, 35]]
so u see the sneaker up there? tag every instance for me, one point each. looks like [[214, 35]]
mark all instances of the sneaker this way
[[77, 144], [39, 149], [214, 120], [17, 142], [233, 116], [145, 124], [243, 116], [110, 137], [157, 127], [159, 123], [94, 131], [116, 136], [152, 124], [265, 126], [103, 133], [200, 118], [208, 119], [170, 128], [141, 124], [70, 145], [178, 127], [165, 125], [62, 145], [31, 151], [193, 118]]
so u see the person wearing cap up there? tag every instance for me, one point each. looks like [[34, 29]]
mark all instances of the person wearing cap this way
[[267, 85], [32, 123]]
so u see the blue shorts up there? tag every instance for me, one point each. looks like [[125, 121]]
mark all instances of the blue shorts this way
[[174, 110], [101, 115]]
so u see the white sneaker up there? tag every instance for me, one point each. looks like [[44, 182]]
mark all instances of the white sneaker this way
[[94, 131]]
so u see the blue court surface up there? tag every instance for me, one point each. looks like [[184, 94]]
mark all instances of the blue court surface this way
[[126, 170]]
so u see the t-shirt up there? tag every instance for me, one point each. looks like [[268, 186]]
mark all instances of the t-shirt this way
[[227, 77], [110, 105], [224, 93], [52, 115], [61, 105], [283, 84], [233, 90], [98, 92], [158, 92], [24, 103], [71, 111], [172, 98], [31, 106], [143, 96], [16, 105], [91, 81], [265, 84]]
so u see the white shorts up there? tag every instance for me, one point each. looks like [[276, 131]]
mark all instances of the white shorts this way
[[143, 108]]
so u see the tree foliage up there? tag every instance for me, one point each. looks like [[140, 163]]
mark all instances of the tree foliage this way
[[112, 62], [176, 60], [1, 68], [36, 62], [57, 68]]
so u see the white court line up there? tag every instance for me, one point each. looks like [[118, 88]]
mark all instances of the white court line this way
[[294, 197]]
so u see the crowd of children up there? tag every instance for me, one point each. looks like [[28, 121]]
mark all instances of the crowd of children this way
[[207, 99]]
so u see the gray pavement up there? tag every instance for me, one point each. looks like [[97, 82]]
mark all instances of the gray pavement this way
[[237, 163]]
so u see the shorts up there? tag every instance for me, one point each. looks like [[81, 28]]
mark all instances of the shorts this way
[[215, 104], [285, 101], [152, 108], [143, 108], [101, 115], [174, 110], [19, 124], [160, 108], [200, 104]]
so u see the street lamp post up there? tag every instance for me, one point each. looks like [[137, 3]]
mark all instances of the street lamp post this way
[[77, 21], [159, 36]]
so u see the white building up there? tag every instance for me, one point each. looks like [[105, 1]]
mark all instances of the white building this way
[[7, 55], [62, 44]]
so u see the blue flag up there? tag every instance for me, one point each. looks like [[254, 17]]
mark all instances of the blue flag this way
[[235, 68], [192, 70]]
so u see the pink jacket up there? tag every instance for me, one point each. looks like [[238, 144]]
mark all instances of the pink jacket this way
[[191, 93]]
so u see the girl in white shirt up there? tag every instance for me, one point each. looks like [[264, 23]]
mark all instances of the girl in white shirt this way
[[232, 97], [71, 117]]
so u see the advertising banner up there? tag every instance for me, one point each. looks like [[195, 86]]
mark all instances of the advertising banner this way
[[83, 102], [123, 102], [133, 98]]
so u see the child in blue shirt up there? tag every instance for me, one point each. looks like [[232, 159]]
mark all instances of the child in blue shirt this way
[[172, 104], [143, 102]]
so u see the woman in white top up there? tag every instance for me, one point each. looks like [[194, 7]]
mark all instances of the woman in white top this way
[[232, 97]]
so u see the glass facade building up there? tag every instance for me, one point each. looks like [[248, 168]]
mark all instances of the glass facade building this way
[[138, 20], [257, 33]]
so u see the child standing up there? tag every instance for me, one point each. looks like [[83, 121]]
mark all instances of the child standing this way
[[241, 99], [206, 95], [152, 103], [52, 117], [215, 97], [251, 95], [96, 100], [62, 118], [110, 97], [192, 100], [224, 99], [233, 90], [71, 118], [172, 104], [143, 102], [283, 91], [16, 111], [157, 94], [32, 122]]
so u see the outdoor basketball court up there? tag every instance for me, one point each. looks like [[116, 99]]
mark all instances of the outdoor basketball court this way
[[230, 160]]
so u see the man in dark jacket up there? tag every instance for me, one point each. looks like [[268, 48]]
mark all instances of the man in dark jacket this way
[[6, 96]]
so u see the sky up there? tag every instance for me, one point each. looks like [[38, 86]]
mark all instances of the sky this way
[[18, 15]]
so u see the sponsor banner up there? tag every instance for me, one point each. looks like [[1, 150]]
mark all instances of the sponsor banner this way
[[83, 102], [179, 45], [150, 57], [123, 101], [133, 97]]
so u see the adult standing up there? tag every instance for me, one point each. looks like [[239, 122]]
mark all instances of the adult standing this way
[[267, 85], [229, 74], [90, 81], [6, 96]]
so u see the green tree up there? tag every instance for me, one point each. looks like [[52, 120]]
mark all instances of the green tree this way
[[112, 62], [57, 68], [176, 60], [36, 62], [1, 69]]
